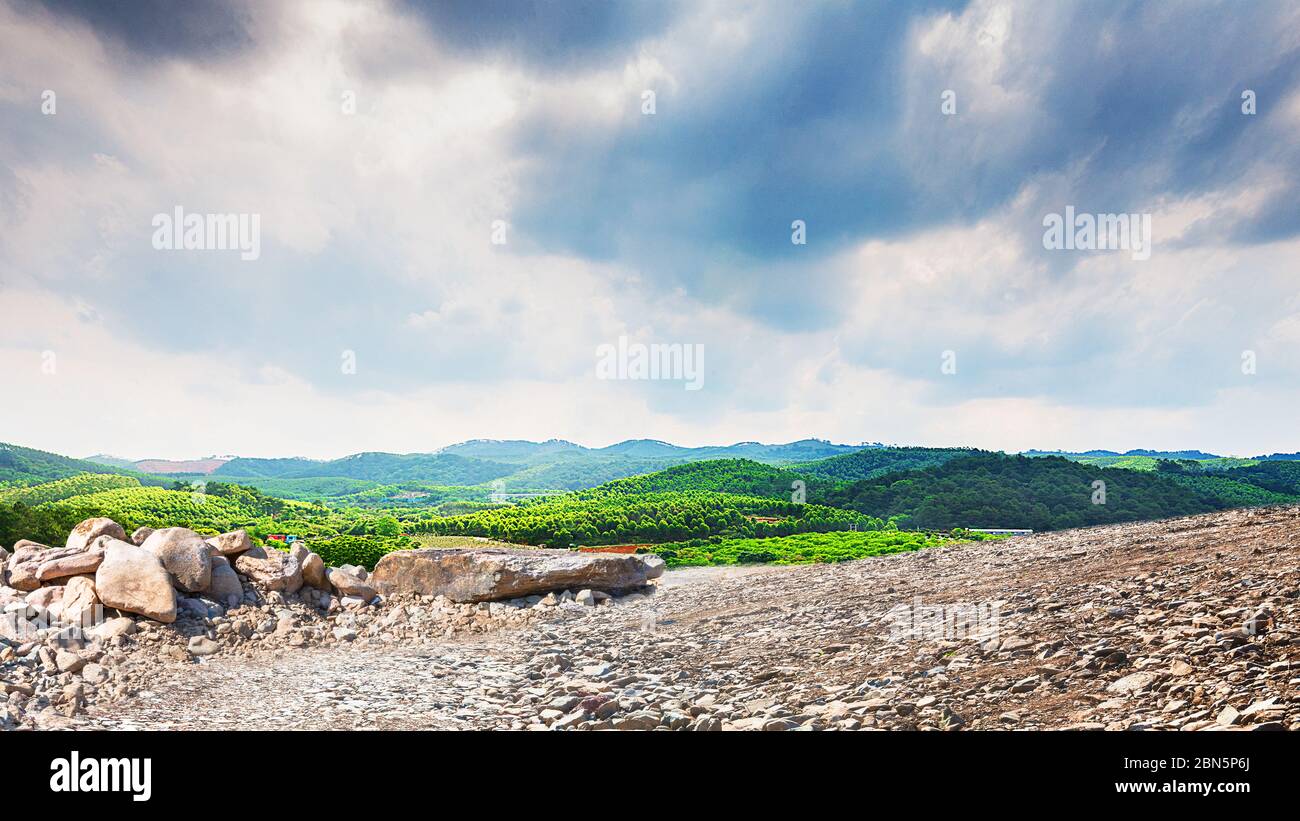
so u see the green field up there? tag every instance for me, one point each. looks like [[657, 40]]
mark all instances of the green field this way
[[804, 548]]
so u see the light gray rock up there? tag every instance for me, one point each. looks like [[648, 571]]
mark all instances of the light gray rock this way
[[112, 628], [203, 646], [346, 584], [313, 572], [655, 566], [49, 599], [355, 570], [64, 562], [1132, 683], [68, 662], [15, 627], [133, 579], [27, 558], [273, 570], [80, 601], [185, 555], [231, 544], [226, 587], [86, 532], [94, 674], [140, 534], [491, 574]]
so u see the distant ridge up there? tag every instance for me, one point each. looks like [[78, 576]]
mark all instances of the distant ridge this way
[[1155, 454]]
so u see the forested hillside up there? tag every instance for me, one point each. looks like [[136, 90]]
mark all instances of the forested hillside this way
[[872, 462], [1042, 493], [720, 475], [388, 468], [602, 517], [19, 465]]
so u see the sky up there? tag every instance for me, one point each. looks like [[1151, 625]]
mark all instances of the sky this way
[[464, 208]]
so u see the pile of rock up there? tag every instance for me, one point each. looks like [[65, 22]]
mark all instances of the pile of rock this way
[[90, 621], [156, 572]]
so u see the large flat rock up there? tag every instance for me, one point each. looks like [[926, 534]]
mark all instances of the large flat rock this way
[[494, 573]]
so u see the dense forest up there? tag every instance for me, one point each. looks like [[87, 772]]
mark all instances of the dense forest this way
[[601, 517], [1042, 493], [873, 462]]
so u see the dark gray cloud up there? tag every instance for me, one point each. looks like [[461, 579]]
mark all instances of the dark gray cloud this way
[[814, 127], [544, 34], [191, 29], [1120, 106]]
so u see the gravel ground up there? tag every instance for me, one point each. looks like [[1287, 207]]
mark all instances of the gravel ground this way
[[1186, 624]]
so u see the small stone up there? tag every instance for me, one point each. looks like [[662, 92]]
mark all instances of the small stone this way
[[203, 646], [68, 662], [1132, 683]]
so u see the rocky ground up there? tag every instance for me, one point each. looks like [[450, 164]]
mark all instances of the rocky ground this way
[[1188, 624]]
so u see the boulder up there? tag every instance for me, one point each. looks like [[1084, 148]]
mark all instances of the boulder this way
[[226, 588], [60, 563], [273, 570], [355, 570], [489, 574], [347, 584], [27, 558], [133, 579], [185, 555], [80, 601], [15, 627], [313, 572], [91, 529], [140, 534], [49, 599], [655, 566], [9, 594], [112, 628], [232, 543]]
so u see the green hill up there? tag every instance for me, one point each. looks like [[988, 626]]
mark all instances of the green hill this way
[[79, 485], [598, 516], [740, 476], [26, 466], [1042, 493], [872, 462], [385, 468]]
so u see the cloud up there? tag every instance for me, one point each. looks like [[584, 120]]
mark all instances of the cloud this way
[[154, 29], [546, 36], [380, 142]]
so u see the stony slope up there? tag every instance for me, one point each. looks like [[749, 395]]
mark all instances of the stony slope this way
[[1119, 627]]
